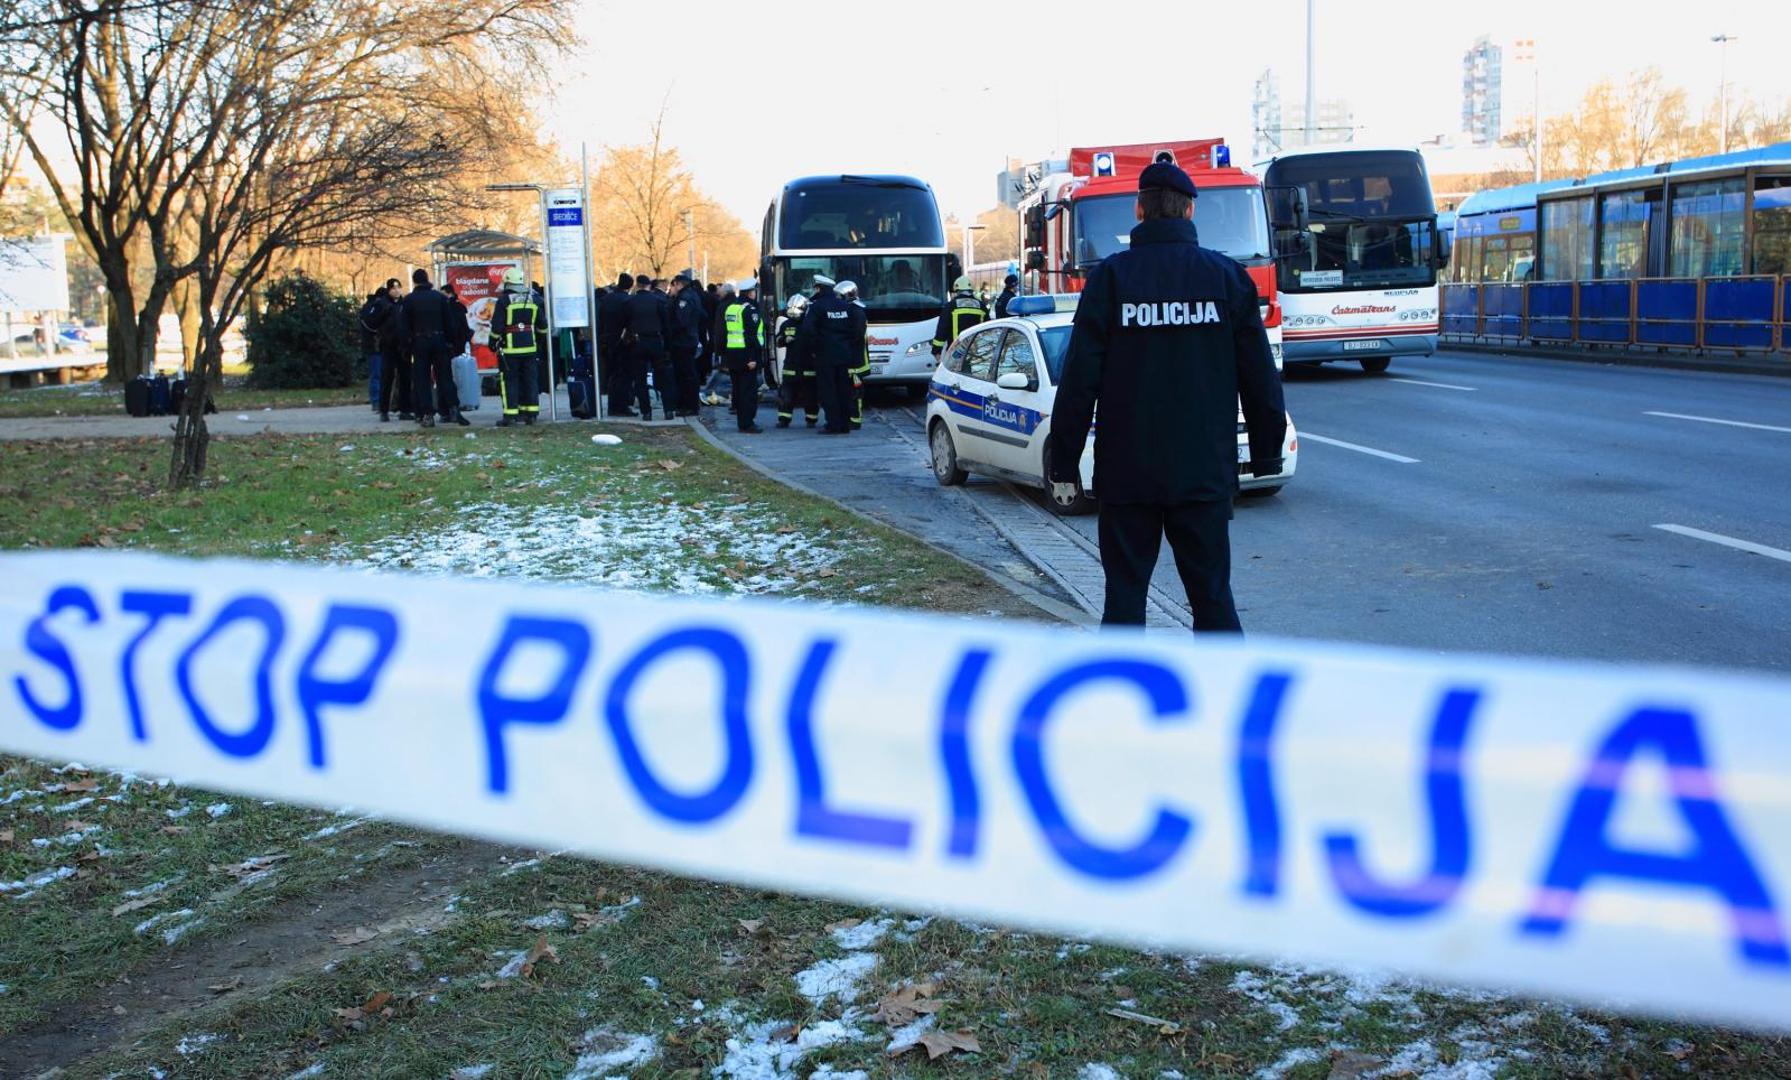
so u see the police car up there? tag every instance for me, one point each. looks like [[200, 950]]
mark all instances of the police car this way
[[989, 405]]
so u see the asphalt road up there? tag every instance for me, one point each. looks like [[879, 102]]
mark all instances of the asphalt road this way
[[1515, 507]]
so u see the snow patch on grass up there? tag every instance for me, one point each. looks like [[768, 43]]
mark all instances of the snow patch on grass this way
[[30, 886], [1290, 1061], [336, 830], [553, 920], [835, 978], [218, 810], [864, 935], [605, 1049], [1265, 991], [1096, 1071], [763, 1051], [193, 1044]]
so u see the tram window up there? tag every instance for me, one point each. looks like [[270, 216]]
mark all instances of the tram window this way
[[1772, 225], [1567, 239], [1623, 251], [1707, 228], [1498, 259]]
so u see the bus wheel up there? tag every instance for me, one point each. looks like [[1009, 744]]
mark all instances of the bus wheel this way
[[1374, 365]]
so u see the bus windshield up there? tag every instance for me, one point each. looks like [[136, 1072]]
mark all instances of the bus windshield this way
[[894, 288], [1230, 220], [1372, 222], [859, 212]]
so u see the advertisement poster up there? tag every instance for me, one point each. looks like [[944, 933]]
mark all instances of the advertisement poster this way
[[477, 284], [34, 275], [567, 255]]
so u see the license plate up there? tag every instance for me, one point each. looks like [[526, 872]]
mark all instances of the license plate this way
[[1352, 346]]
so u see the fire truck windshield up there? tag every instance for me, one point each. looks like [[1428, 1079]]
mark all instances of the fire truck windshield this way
[[1231, 220]]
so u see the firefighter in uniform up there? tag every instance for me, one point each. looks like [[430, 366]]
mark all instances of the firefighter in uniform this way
[[962, 312], [848, 291], [1169, 341], [796, 388], [518, 326], [743, 351], [831, 340]]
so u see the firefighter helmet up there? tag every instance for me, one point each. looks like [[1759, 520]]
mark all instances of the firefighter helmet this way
[[963, 285], [847, 291], [798, 306], [513, 278]]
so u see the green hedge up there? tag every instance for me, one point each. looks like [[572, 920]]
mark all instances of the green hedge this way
[[305, 338]]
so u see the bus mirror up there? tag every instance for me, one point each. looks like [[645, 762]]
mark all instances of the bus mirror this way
[[1287, 208], [1445, 247], [1289, 244]]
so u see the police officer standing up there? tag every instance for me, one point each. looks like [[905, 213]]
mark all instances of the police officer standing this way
[[831, 339], [796, 388], [518, 326], [1008, 286], [1168, 340], [648, 324], [743, 350], [684, 342], [428, 320], [962, 311], [612, 316]]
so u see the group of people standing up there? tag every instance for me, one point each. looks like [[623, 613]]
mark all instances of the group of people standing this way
[[411, 340]]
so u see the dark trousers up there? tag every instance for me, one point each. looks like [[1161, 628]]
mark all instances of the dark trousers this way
[[432, 377], [745, 392], [835, 385], [648, 355], [1199, 536], [617, 383], [516, 379], [394, 376], [797, 394], [374, 370], [685, 378]]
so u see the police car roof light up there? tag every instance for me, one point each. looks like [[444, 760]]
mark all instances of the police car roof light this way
[[1042, 304], [1221, 156]]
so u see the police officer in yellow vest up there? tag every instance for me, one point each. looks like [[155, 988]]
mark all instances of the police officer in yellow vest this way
[[962, 312], [519, 328], [743, 350]]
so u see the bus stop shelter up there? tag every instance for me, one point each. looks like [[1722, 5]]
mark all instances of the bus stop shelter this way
[[484, 246]]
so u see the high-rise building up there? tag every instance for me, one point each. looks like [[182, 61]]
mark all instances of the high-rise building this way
[[1483, 92], [1276, 127], [1265, 115]]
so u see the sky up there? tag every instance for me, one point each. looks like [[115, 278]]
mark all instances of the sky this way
[[756, 95]]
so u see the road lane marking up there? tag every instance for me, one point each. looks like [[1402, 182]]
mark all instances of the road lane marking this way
[[1714, 420], [1729, 542], [1401, 458], [1438, 385]]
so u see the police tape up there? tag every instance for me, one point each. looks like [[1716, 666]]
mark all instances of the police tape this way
[[1617, 835]]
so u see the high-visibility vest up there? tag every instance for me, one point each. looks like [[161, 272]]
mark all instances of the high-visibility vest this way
[[519, 328], [733, 318]]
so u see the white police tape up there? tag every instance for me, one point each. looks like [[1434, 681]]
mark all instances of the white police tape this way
[[1620, 835]]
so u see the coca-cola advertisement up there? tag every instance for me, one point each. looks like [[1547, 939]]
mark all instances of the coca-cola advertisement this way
[[477, 284]]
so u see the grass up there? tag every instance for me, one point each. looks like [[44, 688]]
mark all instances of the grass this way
[[99, 399], [708, 973]]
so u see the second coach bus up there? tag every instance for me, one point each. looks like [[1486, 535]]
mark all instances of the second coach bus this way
[[886, 234], [1358, 253]]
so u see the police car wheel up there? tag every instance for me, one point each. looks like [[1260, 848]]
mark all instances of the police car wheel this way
[[1374, 365], [946, 469], [1075, 506]]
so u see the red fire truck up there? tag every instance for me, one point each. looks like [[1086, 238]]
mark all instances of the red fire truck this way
[[1076, 219]]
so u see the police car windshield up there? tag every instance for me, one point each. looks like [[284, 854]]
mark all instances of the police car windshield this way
[[894, 288], [1232, 221], [1056, 340]]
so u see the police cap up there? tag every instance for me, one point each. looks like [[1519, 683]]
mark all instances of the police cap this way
[[1167, 176]]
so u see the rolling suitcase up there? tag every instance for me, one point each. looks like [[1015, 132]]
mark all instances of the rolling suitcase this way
[[581, 393], [160, 396], [467, 382], [136, 396]]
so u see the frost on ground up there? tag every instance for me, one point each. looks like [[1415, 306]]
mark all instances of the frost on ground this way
[[1097, 1071], [862, 935], [835, 978], [604, 1049], [25, 888], [764, 1050], [664, 546]]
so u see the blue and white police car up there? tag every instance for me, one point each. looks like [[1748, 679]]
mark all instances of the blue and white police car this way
[[989, 405]]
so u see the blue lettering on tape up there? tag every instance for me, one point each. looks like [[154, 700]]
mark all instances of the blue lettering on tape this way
[[50, 649], [156, 606], [1716, 861], [1450, 840], [254, 739], [314, 692], [1168, 699], [496, 711], [813, 816], [954, 748], [1256, 784], [736, 675]]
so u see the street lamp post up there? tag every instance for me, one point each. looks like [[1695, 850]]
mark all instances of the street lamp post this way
[[1722, 43]]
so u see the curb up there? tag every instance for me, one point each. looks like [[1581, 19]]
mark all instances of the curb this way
[[1057, 609], [1724, 365]]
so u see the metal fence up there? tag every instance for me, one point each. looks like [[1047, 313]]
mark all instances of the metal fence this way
[[1736, 315]]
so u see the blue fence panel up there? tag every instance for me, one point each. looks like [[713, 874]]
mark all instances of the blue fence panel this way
[[1504, 311], [1461, 313], [1604, 312], [1738, 313], [1667, 313], [1551, 311], [1785, 314]]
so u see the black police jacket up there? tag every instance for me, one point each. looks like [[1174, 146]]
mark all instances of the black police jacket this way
[[1001, 302], [394, 338], [427, 312], [832, 333], [1167, 340], [649, 315], [687, 321], [612, 317]]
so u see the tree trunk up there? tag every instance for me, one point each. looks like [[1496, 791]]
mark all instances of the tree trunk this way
[[192, 439], [122, 343], [186, 305]]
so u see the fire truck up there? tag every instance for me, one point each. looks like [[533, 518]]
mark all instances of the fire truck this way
[[1074, 220]]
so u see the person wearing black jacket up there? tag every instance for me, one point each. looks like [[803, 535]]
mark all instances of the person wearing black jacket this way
[[394, 355], [428, 319], [612, 319], [1007, 293], [684, 342], [1168, 340], [831, 341], [373, 314], [648, 324]]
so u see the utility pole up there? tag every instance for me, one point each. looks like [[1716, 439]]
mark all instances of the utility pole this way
[[1722, 44], [1311, 96]]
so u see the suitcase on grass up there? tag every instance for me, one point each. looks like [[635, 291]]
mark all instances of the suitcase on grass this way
[[136, 396], [581, 392], [466, 381]]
